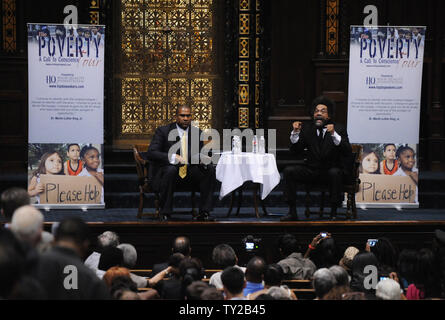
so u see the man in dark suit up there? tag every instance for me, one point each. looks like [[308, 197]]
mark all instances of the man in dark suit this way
[[327, 146], [171, 152]]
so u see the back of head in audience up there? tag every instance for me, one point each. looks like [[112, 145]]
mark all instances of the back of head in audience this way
[[323, 282], [341, 276], [195, 290], [120, 287], [190, 270], [348, 256], [255, 269], [212, 293], [12, 199], [115, 272], [108, 239], [233, 280], [12, 262], [182, 245], [73, 233], [279, 293], [386, 254], [287, 244], [110, 257], [388, 290], [361, 260], [130, 255], [325, 254], [273, 275], [224, 256], [27, 225]]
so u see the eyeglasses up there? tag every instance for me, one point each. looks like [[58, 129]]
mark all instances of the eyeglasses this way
[[321, 111]]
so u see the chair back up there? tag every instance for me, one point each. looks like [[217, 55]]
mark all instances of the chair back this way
[[357, 150], [141, 167]]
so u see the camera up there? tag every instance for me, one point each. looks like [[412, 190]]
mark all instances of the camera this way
[[323, 234], [251, 244], [372, 242], [383, 278]]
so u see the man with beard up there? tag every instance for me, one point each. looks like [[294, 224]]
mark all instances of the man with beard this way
[[327, 146]]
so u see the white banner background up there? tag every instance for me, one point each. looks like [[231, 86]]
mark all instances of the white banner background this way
[[385, 81], [66, 87]]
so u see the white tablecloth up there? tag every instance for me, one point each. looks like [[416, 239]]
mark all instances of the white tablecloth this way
[[235, 169]]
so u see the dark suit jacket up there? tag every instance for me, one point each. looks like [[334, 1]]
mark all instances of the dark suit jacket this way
[[157, 152], [328, 155]]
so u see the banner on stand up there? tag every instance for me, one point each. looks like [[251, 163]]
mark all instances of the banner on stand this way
[[385, 82], [66, 107]]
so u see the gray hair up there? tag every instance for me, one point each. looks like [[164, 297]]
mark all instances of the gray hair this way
[[279, 293], [341, 275], [324, 281], [27, 224], [108, 238], [130, 254], [388, 289]]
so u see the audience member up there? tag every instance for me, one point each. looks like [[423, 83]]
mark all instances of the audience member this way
[[191, 270], [294, 265], [406, 267], [110, 257], [426, 284], [223, 256], [254, 275], [323, 282], [12, 262], [233, 283], [211, 293], [172, 288], [195, 290], [346, 261], [386, 255], [341, 284], [123, 288], [322, 251], [71, 244], [181, 245], [279, 293], [388, 289], [273, 277], [360, 261], [12, 199], [106, 239], [27, 225]]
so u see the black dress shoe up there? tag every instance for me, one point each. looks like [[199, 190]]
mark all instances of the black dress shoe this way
[[204, 216]]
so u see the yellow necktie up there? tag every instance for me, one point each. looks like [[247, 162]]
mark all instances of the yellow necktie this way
[[183, 169]]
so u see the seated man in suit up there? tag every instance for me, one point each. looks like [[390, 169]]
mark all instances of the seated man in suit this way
[[327, 146], [173, 166]]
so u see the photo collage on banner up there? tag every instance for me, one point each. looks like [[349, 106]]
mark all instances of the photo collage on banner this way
[[385, 81], [66, 85]]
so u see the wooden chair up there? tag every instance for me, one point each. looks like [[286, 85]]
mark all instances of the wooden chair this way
[[144, 185], [351, 184]]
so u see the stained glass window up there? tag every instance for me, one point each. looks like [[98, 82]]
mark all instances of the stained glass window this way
[[168, 60]]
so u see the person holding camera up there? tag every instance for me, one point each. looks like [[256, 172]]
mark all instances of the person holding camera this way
[[294, 265]]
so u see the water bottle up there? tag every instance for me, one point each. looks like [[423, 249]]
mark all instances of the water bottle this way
[[262, 146], [255, 144]]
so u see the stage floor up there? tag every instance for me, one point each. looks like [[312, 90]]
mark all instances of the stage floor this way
[[116, 215]]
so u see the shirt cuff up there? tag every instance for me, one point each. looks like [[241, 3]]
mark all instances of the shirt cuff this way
[[173, 158], [294, 137], [336, 138]]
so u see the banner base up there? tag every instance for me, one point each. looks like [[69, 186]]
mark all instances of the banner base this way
[[83, 207], [398, 206]]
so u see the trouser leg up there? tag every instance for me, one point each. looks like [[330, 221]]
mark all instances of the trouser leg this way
[[169, 176]]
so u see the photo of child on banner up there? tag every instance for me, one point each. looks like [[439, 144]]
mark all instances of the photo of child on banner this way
[[388, 173], [74, 178]]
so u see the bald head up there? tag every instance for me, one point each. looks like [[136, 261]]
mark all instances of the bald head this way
[[182, 245], [27, 224]]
